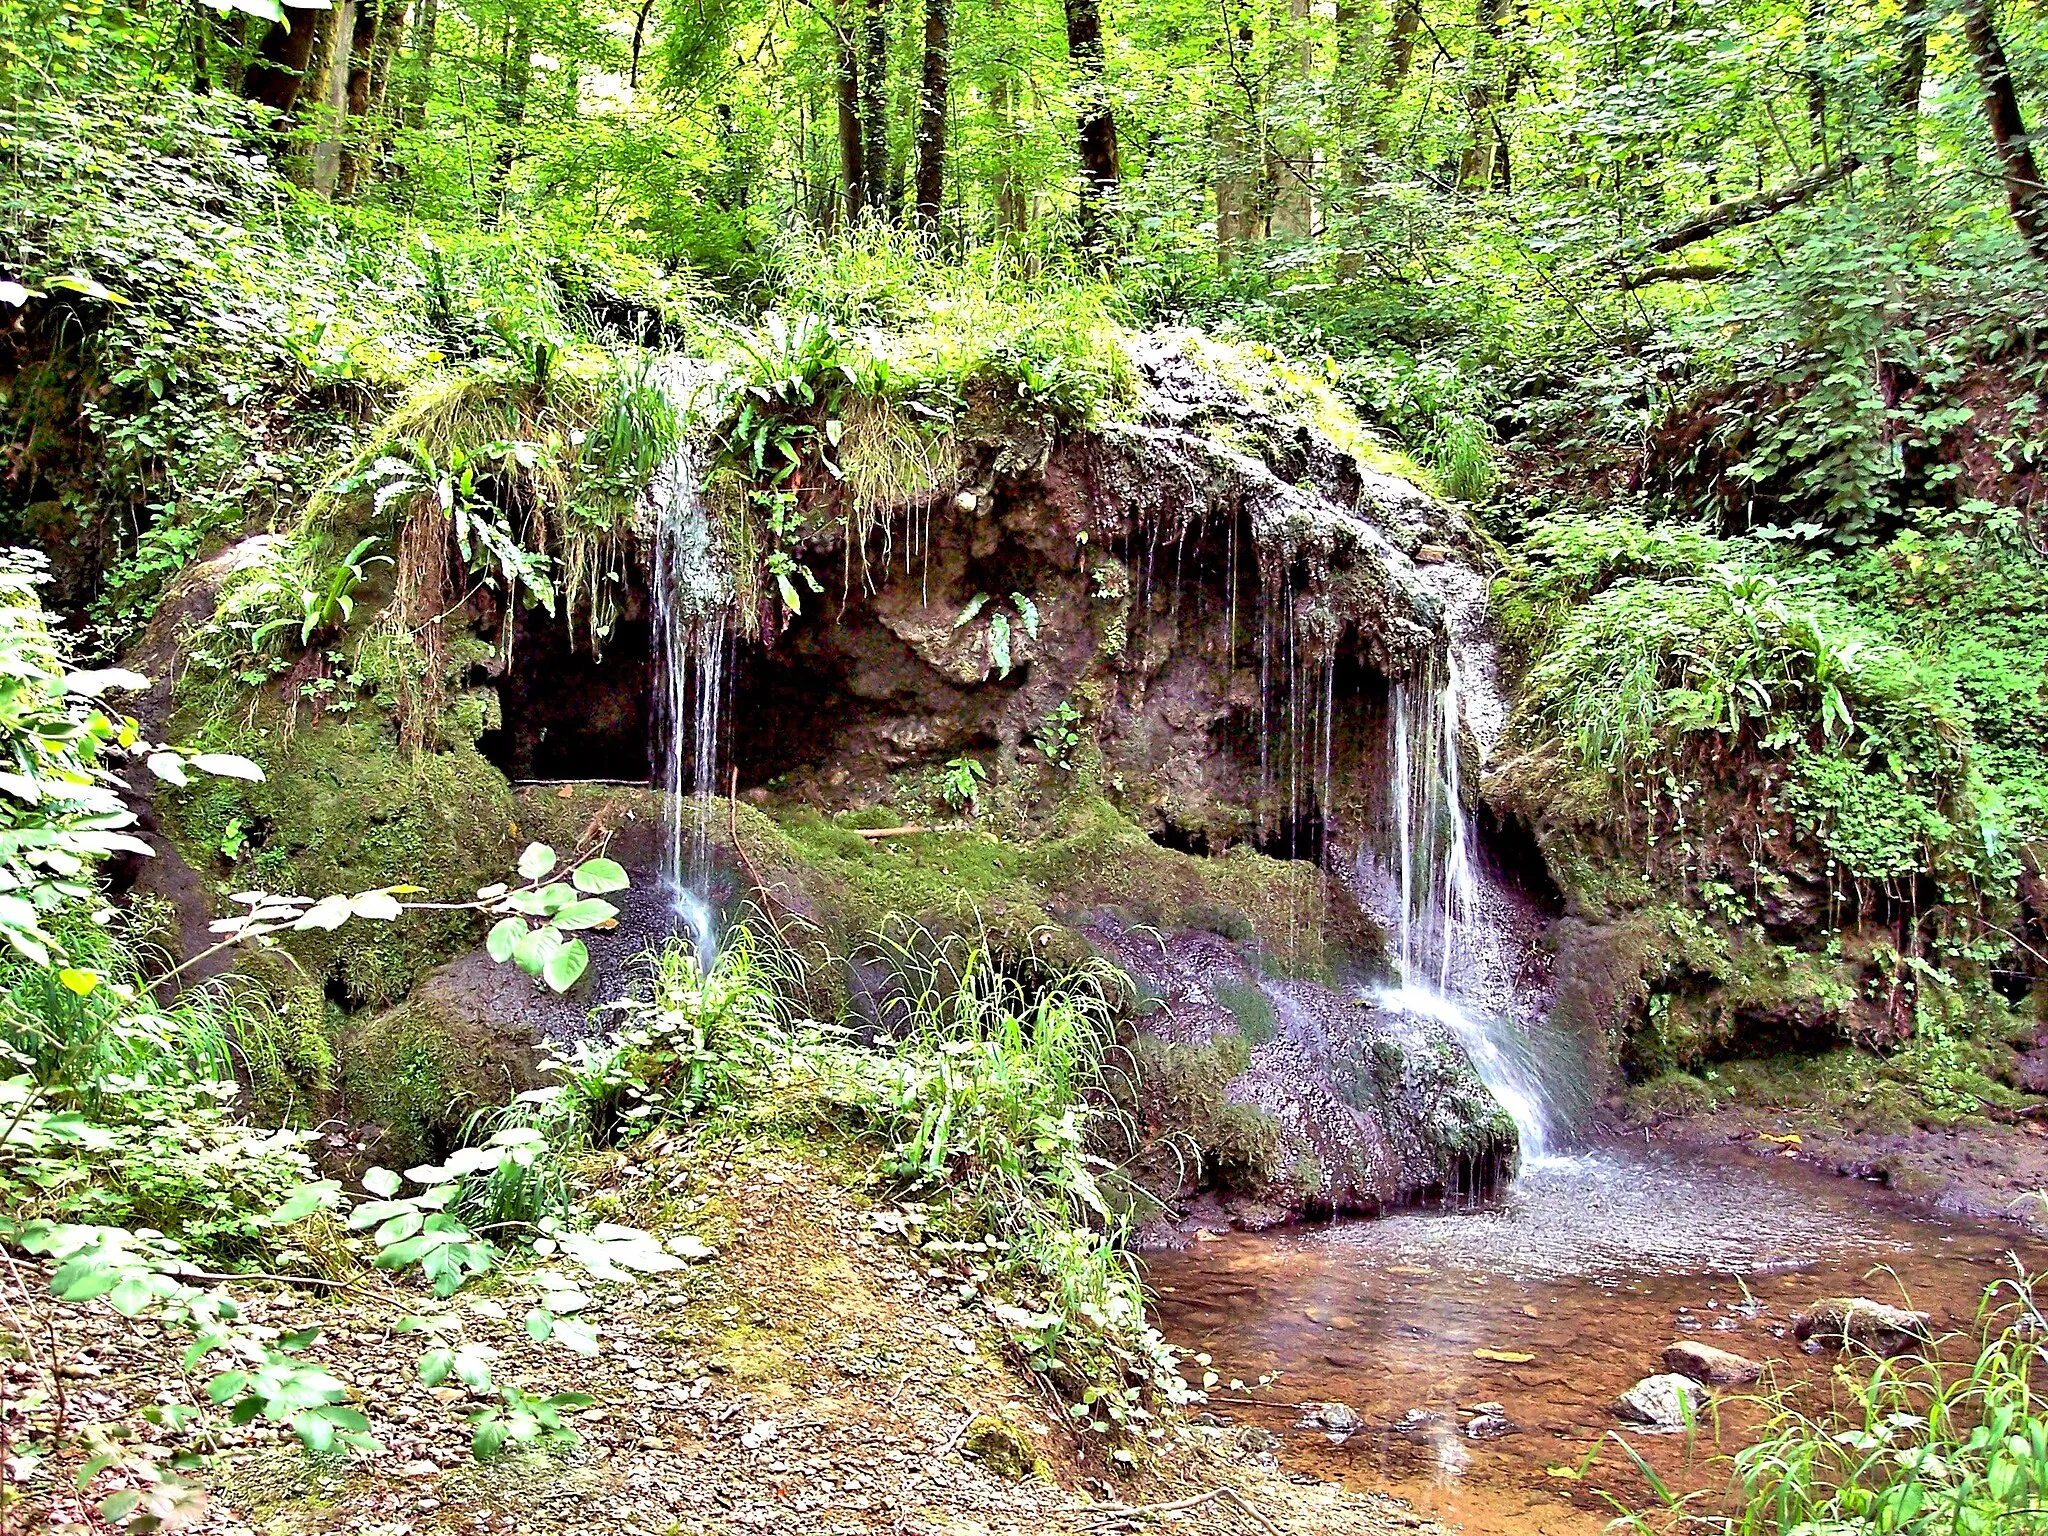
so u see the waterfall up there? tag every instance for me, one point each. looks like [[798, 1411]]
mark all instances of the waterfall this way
[[690, 615], [1450, 951]]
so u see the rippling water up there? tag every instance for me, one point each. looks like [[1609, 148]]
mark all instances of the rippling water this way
[[1589, 1268]]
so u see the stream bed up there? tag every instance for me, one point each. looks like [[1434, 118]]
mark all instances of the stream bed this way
[[1590, 1265]]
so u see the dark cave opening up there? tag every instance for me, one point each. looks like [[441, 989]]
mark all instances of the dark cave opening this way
[[567, 714]]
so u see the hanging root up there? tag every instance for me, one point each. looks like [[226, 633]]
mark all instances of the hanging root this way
[[419, 611]]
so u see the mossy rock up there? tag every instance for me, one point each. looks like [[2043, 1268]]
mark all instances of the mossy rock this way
[[344, 808], [1001, 1447], [468, 1038], [1024, 896]]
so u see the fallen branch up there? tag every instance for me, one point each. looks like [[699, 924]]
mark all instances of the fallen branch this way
[[1122, 1514], [1703, 272], [874, 833], [1751, 210]]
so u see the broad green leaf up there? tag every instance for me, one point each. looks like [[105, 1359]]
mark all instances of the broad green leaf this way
[[565, 967], [600, 877], [382, 1182], [378, 906], [536, 861], [504, 937], [227, 765], [536, 949], [587, 913]]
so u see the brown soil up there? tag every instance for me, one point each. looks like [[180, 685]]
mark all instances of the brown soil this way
[[816, 1376]]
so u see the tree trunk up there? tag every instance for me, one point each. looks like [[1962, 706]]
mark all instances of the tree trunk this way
[[420, 86], [362, 51], [1290, 157], [281, 59], [383, 120], [639, 35], [1904, 95], [1750, 210], [1233, 192], [328, 88], [874, 107], [2025, 195], [1393, 77], [310, 110], [1097, 123], [931, 117], [1348, 80], [1482, 83], [517, 78], [852, 157]]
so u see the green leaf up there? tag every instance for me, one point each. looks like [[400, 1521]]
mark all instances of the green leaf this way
[[227, 765], [504, 938], [565, 967], [326, 914], [540, 1324], [600, 877], [580, 1337], [536, 949], [131, 1298], [226, 1386], [435, 1365], [536, 861], [378, 906], [588, 913], [382, 1182], [488, 1439]]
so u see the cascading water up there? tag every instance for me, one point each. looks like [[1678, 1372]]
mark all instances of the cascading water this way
[[691, 614], [1450, 950]]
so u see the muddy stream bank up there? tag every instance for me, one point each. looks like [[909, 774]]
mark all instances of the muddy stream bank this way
[[1589, 1266]]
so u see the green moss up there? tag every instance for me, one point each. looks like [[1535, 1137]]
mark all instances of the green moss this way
[[1252, 1009], [343, 808], [1025, 895], [420, 1070]]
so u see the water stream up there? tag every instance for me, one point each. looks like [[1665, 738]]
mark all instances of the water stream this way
[[1544, 1303], [691, 617], [1455, 952]]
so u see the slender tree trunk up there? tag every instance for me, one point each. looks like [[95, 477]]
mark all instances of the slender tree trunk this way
[[1097, 123], [420, 84], [310, 111], [1348, 81], [1233, 192], [328, 87], [1904, 95], [383, 116], [874, 107], [1482, 95], [931, 115], [639, 35], [362, 52], [1290, 159], [2025, 195], [852, 151], [281, 58], [518, 78], [1395, 65]]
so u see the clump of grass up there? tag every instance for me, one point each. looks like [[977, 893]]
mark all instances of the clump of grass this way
[[1921, 1446]]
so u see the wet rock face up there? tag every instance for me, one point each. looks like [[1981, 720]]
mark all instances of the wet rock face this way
[[1218, 594], [1366, 1110]]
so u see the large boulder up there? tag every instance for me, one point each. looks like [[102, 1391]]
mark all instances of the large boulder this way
[[1345, 1108]]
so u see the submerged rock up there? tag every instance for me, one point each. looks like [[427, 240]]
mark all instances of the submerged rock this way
[[1663, 1404], [1703, 1362], [1840, 1321]]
